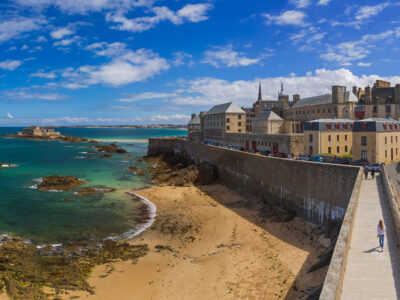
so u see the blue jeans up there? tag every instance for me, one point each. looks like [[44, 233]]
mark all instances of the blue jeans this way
[[381, 240]]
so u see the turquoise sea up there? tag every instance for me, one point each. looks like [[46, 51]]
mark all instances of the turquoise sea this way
[[57, 217]]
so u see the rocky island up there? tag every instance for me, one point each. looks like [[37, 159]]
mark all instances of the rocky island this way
[[92, 190], [39, 133], [59, 183]]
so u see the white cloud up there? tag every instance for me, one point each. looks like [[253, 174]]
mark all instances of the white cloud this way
[[189, 13], [41, 39], [10, 64], [301, 3], [365, 12], [228, 57], [59, 33], [147, 96], [206, 92], [170, 118], [125, 67], [85, 6], [182, 58], [289, 17], [16, 26], [10, 116], [67, 42], [363, 64], [66, 119], [41, 74], [22, 95], [323, 2], [346, 52]]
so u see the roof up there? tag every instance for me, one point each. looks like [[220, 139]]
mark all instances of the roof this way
[[323, 99], [328, 124], [228, 108], [268, 115], [195, 120], [377, 124]]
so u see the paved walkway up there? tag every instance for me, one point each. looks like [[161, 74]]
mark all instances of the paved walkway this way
[[370, 274]]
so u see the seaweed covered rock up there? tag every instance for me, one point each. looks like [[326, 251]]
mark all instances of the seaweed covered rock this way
[[59, 183], [111, 148], [92, 190]]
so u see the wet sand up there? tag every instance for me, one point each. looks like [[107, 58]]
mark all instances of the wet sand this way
[[209, 243]]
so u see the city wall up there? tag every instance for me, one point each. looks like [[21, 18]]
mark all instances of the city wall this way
[[317, 192]]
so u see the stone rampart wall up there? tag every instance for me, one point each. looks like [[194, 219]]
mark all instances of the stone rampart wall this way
[[317, 192]]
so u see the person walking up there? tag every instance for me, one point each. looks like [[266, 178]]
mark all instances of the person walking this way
[[373, 173], [381, 229], [366, 172]]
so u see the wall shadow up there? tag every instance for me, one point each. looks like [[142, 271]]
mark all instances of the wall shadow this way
[[252, 209]]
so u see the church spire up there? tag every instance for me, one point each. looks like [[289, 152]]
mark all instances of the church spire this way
[[259, 93]]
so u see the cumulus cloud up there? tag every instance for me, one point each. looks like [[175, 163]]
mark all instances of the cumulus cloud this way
[[323, 2], [206, 92], [346, 52], [189, 13], [289, 17], [14, 27], [10, 64], [10, 116], [59, 33], [170, 118], [86, 6], [126, 66], [228, 57], [301, 3], [147, 96], [67, 42]]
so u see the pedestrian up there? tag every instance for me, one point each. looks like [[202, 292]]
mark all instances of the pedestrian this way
[[381, 229], [366, 172], [373, 173]]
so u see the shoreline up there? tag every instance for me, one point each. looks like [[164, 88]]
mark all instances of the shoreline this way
[[213, 246]]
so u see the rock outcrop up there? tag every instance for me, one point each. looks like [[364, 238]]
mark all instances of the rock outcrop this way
[[111, 148], [59, 183], [180, 170], [92, 190]]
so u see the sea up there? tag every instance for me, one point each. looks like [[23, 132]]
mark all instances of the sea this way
[[60, 217]]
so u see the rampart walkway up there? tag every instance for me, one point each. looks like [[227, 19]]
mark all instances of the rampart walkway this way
[[370, 274]]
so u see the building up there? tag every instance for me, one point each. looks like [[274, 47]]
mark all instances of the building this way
[[194, 128], [328, 137], [38, 131], [376, 140], [222, 119], [267, 122]]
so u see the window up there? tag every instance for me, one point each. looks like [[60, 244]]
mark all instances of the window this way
[[228, 127], [363, 154], [329, 150], [311, 150], [397, 151], [388, 109], [345, 149], [240, 130], [375, 109], [338, 149], [337, 138], [228, 120], [396, 138], [391, 139], [239, 117], [311, 138], [329, 110], [329, 138], [345, 137], [318, 110], [323, 110], [363, 141], [385, 140], [385, 153]]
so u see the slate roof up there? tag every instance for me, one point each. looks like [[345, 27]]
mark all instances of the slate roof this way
[[323, 99], [268, 115], [377, 124], [322, 124], [228, 108], [195, 120]]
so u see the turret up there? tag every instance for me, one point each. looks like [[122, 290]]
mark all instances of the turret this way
[[338, 94]]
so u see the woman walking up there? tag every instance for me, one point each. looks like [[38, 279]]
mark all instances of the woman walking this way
[[381, 229]]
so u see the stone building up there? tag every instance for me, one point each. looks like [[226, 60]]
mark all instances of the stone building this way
[[267, 122], [328, 136], [194, 128], [38, 131], [222, 119], [376, 140]]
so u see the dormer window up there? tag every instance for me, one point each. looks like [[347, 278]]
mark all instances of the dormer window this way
[[385, 126], [337, 125], [329, 126]]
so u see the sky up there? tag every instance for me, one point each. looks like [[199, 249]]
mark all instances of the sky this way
[[103, 62]]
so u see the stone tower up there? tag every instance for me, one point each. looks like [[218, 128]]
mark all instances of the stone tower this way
[[368, 95], [296, 97], [338, 94]]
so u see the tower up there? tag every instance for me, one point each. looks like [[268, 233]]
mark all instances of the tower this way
[[259, 93]]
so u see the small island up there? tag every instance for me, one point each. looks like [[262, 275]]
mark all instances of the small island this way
[[59, 183], [41, 133]]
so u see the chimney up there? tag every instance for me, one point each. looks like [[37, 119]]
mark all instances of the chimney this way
[[296, 97]]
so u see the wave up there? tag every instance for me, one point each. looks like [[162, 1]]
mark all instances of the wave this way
[[35, 186], [152, 212]]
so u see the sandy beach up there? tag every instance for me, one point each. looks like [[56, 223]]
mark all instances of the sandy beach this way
[[209, 243]]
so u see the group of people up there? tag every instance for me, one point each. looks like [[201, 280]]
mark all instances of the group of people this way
[[366, 172]]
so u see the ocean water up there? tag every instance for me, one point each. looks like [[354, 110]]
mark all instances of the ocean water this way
[[53, 217]]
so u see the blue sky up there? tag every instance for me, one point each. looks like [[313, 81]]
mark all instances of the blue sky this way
[[69, 62]]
